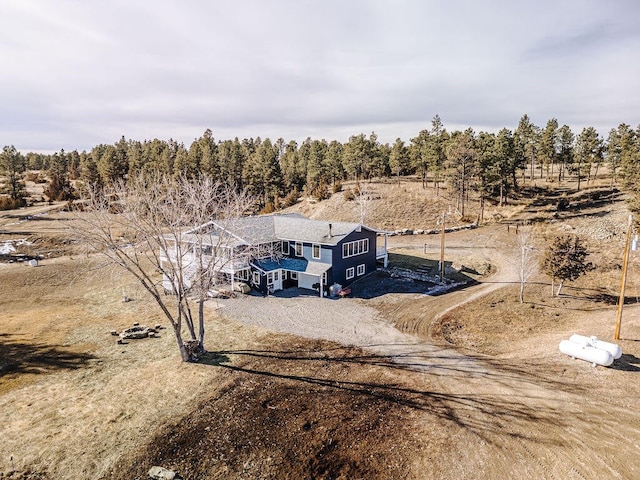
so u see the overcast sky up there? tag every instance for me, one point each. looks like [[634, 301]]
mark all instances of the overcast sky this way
[[76, 73]]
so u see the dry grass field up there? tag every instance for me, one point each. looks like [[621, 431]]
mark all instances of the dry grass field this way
[[479, 391]]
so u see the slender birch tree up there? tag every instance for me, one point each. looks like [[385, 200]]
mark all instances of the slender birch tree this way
[[527, 258]]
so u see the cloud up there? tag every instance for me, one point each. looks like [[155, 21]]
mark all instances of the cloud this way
[[82, 73]]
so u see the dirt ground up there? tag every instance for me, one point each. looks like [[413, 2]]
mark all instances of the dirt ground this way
[[391, 383]]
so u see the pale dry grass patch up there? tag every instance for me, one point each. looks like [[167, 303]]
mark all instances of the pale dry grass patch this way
[[74, 418]]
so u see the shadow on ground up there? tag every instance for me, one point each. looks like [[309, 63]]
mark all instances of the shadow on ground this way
[[627, 363], [18, 357], [317, 410]]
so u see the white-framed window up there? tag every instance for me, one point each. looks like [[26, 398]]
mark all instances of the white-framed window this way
[[324, 278], [256, 278], [285, 248], [315, 250], [242, 275], [350, 273], [360, 270], [294, 275], [357, 247], [284, 275], [299, 249]]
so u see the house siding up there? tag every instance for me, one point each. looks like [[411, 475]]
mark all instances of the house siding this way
[[326, 252], [340, 264]]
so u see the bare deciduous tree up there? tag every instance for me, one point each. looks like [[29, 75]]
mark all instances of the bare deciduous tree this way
[[528, 258], [159, 230], [363, 204]]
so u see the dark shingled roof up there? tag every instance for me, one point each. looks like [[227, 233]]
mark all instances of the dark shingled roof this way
[[291, 226]]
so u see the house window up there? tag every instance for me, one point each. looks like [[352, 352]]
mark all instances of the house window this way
[[324, 278], [285, 248], [358, 247], [350, 273], [256, 278], [294, 275], [298, 249], [316, 250], [270, 278], [361, 269], [242, 275]]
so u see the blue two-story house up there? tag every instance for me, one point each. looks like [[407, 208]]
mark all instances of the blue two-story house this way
[[278, 251]]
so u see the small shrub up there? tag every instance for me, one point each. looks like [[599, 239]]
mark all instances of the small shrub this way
[[348, 195], [268, 208], [321, 192], [291, 198], [8, 203], [337, 187], [563, 204], [34, 177]]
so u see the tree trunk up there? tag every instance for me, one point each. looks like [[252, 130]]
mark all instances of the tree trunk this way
[[184, 355], [579, 173], [531, 176], [201, 324]]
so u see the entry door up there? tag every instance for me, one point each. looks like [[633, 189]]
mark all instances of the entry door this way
[[274, 280]]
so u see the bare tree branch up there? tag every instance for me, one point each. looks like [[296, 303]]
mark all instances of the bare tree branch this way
[[160, 230]]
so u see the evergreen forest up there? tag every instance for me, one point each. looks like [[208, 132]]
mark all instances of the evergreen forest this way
[[484, 165]]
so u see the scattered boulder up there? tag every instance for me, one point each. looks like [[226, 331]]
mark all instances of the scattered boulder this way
[[457, 267], [161, 473]]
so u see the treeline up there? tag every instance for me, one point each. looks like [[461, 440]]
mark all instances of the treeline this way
[[487, 165]]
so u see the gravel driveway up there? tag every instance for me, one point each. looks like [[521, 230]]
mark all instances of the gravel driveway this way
[[348, 321], [299, 312]]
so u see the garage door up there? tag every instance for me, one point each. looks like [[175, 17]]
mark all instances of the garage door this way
[[306, 280]]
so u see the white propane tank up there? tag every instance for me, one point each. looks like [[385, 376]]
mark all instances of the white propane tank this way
[[586, 352], [612, 348]]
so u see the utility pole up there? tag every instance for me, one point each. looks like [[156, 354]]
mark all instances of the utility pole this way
[[625, 264], [442, 252]]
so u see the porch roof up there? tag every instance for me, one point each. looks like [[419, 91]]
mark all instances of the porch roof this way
[[294, 265]]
